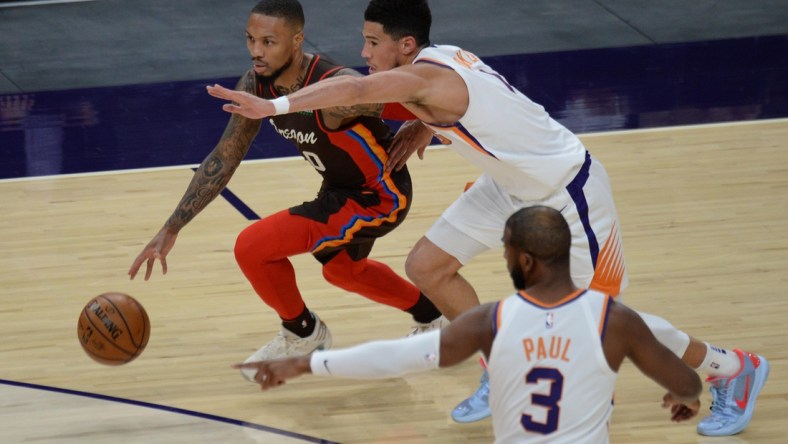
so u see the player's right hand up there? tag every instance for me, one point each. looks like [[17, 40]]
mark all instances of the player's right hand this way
[[157, 248], [273, 373], [680, 411]]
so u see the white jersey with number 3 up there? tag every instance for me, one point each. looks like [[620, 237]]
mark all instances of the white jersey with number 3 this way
[[504, 133], [549, 379]]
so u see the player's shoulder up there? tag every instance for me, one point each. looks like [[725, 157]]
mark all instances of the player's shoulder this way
[[624, 320], [325, 67], [345, 71]]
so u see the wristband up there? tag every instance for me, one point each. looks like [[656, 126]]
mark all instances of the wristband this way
[[281, 105]]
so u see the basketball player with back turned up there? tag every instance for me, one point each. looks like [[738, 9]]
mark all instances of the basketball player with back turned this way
[[553, 349]]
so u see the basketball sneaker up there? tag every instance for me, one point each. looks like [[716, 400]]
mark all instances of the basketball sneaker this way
[[423, 327], [477, 406], [733, 398], [287, 343]]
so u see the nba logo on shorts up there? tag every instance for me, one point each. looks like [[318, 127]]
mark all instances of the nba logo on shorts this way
[[549, 320]]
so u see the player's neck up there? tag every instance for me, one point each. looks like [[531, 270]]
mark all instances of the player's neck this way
[[293, 78], [551, 290], [408, 60]]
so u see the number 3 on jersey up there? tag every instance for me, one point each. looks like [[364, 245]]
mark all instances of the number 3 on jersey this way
[[548, 401]]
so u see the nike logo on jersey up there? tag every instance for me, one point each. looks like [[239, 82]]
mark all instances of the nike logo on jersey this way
[[325, 364]]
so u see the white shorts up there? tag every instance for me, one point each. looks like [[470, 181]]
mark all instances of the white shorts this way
[[474, 223]]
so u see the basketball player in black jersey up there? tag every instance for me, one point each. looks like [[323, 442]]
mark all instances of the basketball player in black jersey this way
[[358, 201]]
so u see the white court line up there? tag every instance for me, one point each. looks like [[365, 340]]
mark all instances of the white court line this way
[[289, 158]]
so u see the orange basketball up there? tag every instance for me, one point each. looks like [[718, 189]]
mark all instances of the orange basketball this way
[[113, 328]]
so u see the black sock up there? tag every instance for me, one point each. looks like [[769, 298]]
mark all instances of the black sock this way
[[424, 311], [303, 325]]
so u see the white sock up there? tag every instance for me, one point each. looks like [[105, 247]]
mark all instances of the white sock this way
[[720, 362]]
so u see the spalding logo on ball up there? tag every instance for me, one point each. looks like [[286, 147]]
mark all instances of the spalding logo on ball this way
[[113, 328]]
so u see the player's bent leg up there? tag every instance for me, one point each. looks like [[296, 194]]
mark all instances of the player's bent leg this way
[[433, 265], [262, 250], [378, 282], [371, 279], [436, 274]]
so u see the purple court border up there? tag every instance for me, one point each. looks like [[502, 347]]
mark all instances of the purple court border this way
[[149, 405]]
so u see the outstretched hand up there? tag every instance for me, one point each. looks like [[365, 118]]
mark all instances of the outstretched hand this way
[[680, 412], [245, 104], [273, 373], [157, 248]]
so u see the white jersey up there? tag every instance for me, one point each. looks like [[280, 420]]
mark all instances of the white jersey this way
[[504, 133], [549, 379], [527, 158]]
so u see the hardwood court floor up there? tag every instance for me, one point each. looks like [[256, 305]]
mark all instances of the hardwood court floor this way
[[704, 220]]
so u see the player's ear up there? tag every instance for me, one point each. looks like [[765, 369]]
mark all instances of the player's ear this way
[[298, 39], [407, 45], [526, 261]]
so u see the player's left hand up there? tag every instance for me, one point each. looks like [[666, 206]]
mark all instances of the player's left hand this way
[[245, 104], [412, 137], [680, 412]]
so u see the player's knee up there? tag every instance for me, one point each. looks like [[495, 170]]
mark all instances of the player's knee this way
[[413, 268], [247, 250], [241, 249], [421, 271], [334, 274], [342, 273]]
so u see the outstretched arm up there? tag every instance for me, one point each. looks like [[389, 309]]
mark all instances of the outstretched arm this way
[[432, 93], [208, 181], [337, 116], [466, 335]]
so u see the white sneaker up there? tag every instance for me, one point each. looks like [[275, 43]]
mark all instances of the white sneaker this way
[[436, 324], [287, 343]]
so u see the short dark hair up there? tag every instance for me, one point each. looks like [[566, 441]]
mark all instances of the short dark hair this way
[[290, 10], [402, 18], [542, 232]]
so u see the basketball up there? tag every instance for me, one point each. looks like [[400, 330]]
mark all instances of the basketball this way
[[113, 328]]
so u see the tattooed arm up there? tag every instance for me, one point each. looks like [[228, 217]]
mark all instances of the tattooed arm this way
[[209, 180]]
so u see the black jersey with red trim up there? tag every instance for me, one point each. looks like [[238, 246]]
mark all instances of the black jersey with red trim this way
[[350, 157]]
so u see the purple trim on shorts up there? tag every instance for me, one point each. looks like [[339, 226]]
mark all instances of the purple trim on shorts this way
[[575, 189]]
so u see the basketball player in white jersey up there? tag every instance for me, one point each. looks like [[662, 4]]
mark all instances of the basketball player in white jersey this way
[[527, 158], [553, 349]]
